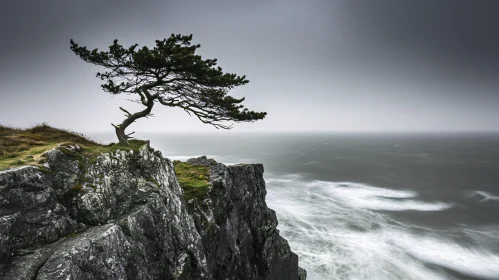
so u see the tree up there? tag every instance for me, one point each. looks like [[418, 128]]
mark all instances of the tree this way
[[171, 74]]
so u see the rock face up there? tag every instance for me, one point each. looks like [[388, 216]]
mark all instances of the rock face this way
[[239, 230], [122, 216]]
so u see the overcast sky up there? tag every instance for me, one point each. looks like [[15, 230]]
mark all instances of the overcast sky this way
[[313, 65]]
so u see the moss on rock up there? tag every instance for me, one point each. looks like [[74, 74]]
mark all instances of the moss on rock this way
[[193, 178]]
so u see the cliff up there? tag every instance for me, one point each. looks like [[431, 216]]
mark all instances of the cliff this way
[[122, 215]]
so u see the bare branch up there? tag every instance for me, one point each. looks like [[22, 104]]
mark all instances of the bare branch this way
[[127, 113]]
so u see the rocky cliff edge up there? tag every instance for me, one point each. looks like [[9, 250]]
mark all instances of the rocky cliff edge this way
[[122, 215]]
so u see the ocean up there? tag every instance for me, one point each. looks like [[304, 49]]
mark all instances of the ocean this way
[[371, 206]]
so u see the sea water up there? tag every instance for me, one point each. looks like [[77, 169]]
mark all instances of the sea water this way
[[372, 206]]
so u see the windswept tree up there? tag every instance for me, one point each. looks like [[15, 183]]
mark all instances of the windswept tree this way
[[173, 75]]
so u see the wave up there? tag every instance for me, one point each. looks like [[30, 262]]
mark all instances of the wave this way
[[375, 198], [334, 229], [472, 261], [312, 163], [486, 196]]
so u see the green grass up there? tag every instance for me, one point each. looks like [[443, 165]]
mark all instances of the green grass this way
[[26, 146], [194, 179]]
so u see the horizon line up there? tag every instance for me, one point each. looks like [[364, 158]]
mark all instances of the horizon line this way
[[306, 131]]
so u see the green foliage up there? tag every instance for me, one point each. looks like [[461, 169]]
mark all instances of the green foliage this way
[[193, 179], [172, 74]]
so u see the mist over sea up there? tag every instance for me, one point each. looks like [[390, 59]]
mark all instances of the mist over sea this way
[[371, 206]]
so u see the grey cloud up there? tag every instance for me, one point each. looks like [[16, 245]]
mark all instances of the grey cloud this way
[[313, 65]]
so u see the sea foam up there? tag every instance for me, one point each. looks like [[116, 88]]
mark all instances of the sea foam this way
[[486, 196], [375, 198], [338, 232]]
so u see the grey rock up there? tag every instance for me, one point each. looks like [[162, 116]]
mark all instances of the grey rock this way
[[202, 160], [302, 274], [27, 266], [122, 216], [239, 230], [30, 214]]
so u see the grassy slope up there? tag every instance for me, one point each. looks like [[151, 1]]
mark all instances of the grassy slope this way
[[194, 179], [25, 146]]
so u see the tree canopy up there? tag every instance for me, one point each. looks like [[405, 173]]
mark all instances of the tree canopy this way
[[171, 74]]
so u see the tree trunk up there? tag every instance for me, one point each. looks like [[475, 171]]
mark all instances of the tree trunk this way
[[120, 129], [120, 132]]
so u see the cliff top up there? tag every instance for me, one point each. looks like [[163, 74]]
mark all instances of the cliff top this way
[[20, 147], [26, 146]]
